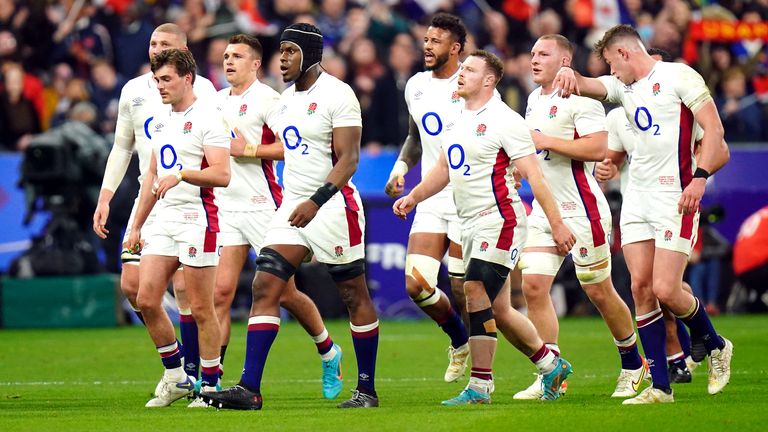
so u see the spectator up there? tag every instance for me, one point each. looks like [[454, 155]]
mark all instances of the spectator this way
[[332, 21], [704, 266], [740, 112], [79, 38], [18, 118], [131, 40]]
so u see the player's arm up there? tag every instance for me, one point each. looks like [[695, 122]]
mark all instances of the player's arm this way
[[216, 174], [610, 166], [530, 169], [713, 150], [239, 147], [117, 164], [346, 147], [569, 82], [590, 147], [147, 199], [436, 180], [409, 156]]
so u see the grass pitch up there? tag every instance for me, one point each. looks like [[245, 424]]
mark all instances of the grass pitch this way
[[83, 380]]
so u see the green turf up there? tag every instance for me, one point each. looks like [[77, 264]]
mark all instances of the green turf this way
[[82, 380]]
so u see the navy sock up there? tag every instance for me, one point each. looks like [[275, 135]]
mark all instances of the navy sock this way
[[222, 352], [365, 339], [140, 317], [700, 325], [678, 363], [188, 330], [683, 337], [262, 331], [630, 356], [170, 355], [653, 335], [453, 326]]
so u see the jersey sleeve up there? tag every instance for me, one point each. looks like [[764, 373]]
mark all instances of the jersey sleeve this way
[[615, 121], [691, 88], [516, 137], [588, 116], [122, 150], [613, 88], [407, 92], [216, 134], [345, 111]]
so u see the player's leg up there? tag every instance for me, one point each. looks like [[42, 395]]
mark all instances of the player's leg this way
[[187, 325], [276, 264], [200, 282], [364, 324], [129, 283], [678, 371], [157, 271], [231, 264], [306, 313], [422, 265]]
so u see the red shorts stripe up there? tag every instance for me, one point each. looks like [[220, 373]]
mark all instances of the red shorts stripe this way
[[209, 244]]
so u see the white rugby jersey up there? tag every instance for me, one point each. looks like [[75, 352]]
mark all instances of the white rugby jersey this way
[[660, 107], [254, 181], [304, 122], [571, 181], [479, 147], [139, 103], [177, 140], [433, 104], [621, 138]]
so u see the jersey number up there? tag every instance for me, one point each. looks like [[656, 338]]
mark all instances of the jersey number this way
[[168, 157], [436, 129], [294, 145], [645, 126], [458, 165]]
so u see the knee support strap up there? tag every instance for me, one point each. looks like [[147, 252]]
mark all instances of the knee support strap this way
[[345, 272], [481, 323], [492, 276], [594, 273], [424, 269], [455, 267], [270, 261]]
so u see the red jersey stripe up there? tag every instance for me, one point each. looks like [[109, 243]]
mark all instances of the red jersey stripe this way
[[503, 201]]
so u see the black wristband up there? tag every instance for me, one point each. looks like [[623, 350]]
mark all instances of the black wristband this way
[[701, 173], [324, 193]]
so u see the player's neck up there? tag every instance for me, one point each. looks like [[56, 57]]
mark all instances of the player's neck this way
[[547, 88], [185, 102], [308, 79], [644, 67], [478, 100], [447, 70], [239, 89]]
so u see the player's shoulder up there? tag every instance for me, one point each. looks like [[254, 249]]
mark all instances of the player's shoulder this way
[[419, 77], [142, 83], [503, 112], [330, 84], [203, 86], [674, 70]]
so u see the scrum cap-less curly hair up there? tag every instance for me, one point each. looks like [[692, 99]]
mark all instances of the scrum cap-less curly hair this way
[[309, 39]]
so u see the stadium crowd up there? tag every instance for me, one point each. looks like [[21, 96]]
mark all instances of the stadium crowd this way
[[54, 54]]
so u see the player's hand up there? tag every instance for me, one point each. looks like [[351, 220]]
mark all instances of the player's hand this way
[[539, 140], [237, 144], [518, 176], [162, 186], [691, 198], [403, 206], [565, 82], [100, 220], [563, 237], [134, 243], [395, 185], [605, 170], [303, 214]]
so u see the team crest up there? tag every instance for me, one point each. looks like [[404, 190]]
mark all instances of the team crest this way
[[667, 235], [483, 246], [656, 89], [553, 111], [583, 252], [481, 128], [192, 252], [455, 96], [243, 109], [339, 251], [187, 128], [312, 108]]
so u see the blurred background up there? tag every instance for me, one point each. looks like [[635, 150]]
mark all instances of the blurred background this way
[[63, 64]]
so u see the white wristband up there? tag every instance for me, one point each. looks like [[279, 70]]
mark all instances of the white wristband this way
[[400, 169]]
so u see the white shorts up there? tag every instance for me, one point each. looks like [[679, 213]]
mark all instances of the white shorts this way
[[335, 236], [592, 246], [194, 245], [654, 216], [492, 239], [244, 228], [438, 215], [128, 257]]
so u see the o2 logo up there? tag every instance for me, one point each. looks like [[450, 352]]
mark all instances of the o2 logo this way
[[434, 127], [295, 140], [456, 158], [644, 120], [168, 157]]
